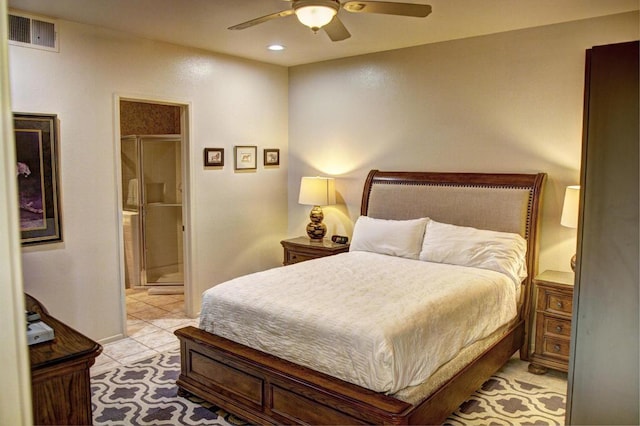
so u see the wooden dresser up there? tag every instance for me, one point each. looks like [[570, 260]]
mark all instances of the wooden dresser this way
[[552, 333], [60, 381], [302, 248]]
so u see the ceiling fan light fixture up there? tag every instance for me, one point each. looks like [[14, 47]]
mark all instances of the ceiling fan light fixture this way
[[315, 14]]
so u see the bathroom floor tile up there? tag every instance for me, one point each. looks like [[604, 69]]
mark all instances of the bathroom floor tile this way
[[157, 338], [174, 307], [123, 348], [149, 314], [142, 329], [151, 321], [137, 306]]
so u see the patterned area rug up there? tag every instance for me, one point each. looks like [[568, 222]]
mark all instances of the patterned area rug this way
[[503, 401], [145, 393]]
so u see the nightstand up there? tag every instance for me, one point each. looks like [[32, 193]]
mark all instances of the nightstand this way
[[303, 248], [552, 333]]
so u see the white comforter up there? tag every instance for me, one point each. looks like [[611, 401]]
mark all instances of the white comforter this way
[[381, 322]]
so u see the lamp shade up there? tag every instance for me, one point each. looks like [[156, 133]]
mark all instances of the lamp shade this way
[[570, 207], [315, 14], [317, 191]]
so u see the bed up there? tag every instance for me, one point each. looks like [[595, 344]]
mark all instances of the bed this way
[[267, 376]]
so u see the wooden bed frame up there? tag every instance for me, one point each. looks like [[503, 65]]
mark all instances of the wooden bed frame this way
[[264, 389]]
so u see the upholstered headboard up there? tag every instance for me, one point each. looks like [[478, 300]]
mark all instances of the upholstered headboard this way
[[499, 202]]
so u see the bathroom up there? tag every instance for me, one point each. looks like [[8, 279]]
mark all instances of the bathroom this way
[[152, 196]]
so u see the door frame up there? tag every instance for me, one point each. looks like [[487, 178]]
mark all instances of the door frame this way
[[187, 207], [15, 396]]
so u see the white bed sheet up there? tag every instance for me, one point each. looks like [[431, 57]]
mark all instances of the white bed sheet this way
[[381, 322]]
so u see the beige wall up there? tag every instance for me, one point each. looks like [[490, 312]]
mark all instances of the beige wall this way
[[509, 102], [236, 219]]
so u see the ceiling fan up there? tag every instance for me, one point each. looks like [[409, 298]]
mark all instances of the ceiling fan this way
[[317, 14]]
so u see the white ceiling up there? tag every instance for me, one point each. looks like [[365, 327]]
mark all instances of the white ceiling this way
[[203, 23]]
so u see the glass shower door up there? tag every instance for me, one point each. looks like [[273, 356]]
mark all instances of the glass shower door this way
[[162, 210]]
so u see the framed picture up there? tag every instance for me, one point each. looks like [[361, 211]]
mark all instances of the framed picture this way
[[271, 157], [36, 138], [213, 157], [245, 157]]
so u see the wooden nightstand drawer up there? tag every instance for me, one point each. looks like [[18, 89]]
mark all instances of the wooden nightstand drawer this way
[[556, 348], [293, 257], [557, 327], [551, 332], [557, 303]]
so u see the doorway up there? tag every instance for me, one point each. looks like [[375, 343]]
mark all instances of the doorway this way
[[154, 188]]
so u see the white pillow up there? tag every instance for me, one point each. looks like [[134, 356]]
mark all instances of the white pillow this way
[[401, 238], [460, 245]]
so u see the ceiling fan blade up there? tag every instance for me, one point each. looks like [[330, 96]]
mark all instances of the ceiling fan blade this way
[[336, 30], [262, 19], [388, 8]]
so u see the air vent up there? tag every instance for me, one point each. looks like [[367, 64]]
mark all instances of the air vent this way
[[30, 31]]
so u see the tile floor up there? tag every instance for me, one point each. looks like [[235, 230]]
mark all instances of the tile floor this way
[[517, 369], [151, 320]]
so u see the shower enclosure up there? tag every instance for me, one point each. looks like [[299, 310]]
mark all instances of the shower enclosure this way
[[152, 203]]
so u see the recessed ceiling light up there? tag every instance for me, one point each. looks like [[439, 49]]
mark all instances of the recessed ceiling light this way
[[275, 47]]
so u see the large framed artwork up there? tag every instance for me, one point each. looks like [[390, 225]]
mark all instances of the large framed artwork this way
[[36, 139]]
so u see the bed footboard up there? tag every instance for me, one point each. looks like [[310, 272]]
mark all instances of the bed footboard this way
[[268, 390], [264, 389]]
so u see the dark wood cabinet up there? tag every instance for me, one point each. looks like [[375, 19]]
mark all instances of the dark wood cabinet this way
[[302, 248], [60, 380], [604, 371]]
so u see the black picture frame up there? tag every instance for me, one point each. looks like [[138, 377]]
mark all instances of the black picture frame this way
[[36, 139], [271, 157], [214, 157]]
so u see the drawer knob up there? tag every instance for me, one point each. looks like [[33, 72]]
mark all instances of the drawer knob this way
[[559, 304], [556, 348], [558, 328]]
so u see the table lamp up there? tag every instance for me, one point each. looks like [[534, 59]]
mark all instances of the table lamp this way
[[317, 192], [570, 212]]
